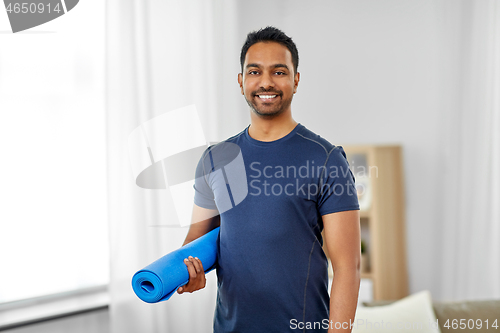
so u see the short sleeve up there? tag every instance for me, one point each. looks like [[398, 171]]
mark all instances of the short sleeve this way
[[203, 194], [337, 185]]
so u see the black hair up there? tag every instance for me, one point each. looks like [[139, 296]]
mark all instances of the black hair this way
[[270, 34]]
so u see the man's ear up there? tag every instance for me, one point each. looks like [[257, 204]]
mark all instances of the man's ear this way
[[240, 82], [296, 80]]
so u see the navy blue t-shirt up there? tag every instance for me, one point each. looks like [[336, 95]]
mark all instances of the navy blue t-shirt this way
[[271, 270]]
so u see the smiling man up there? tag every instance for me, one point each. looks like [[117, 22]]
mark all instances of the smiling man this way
[[271, 269]]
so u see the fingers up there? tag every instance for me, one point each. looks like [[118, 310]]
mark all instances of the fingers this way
[[201, 265], [197, 278], [197, 264], [192, 277], [191, 268]]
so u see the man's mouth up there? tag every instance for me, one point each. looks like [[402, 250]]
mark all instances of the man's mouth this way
[[267, 97]]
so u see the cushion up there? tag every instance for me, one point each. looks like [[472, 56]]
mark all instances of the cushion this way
[[378, 303], [477, 316], [484, 314], [412, 313]]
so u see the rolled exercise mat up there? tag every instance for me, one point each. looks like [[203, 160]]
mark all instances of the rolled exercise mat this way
[[160, 279]]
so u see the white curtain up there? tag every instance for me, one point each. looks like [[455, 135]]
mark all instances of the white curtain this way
[[470, 162], [161, 56]]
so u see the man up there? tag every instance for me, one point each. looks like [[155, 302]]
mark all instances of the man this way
[[271, 269]]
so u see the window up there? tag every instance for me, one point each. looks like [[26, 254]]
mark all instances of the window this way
[[53, 215]]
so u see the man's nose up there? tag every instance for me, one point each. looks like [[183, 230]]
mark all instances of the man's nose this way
[[266, 81]]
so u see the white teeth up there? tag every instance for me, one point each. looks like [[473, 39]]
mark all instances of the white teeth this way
[[267, 96]]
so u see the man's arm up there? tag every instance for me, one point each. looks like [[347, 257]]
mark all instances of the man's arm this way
[[343, 240], [202, 221]]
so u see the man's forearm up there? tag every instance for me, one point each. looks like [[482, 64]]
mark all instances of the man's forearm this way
[[343, 299]]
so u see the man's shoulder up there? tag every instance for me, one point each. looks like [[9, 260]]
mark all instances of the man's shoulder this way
[[315, 140]]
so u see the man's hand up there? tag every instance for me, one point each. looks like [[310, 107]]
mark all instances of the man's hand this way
[[203, 221], [197, 278]]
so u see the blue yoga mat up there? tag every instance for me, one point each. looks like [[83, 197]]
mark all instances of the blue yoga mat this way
[[159, 280]]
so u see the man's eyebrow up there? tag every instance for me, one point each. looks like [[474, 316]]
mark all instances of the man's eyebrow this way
[[252, 65], [281, 65], [274, 66]]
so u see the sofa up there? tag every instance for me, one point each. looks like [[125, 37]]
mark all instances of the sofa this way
[[457, 316]]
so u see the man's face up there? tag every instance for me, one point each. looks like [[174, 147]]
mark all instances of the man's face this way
[[268, 81]]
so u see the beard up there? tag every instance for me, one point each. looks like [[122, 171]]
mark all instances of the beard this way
[[268, 110]]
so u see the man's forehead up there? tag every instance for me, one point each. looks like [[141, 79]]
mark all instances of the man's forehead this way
[[268, 54]]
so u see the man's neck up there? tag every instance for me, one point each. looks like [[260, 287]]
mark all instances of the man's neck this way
[[270, 129]]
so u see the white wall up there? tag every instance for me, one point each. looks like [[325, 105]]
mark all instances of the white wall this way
[[371, 74]]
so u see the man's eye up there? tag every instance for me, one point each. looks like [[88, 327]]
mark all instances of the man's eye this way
[[253, 72], [281, 73]]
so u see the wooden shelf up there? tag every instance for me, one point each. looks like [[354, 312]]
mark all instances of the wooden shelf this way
[[382, 216], [364, 213]]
